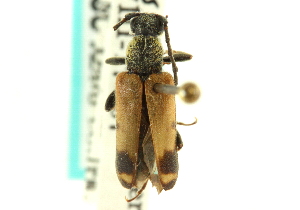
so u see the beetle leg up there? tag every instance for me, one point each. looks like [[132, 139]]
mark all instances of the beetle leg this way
[[188, 124], [179, 56], [179, 142], [115, 61], [137, 194], [110, 102]]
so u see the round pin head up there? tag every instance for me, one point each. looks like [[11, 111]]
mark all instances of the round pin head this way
[[189, 92]]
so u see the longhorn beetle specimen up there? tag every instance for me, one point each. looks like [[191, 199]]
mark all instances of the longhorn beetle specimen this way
[[147, 139]]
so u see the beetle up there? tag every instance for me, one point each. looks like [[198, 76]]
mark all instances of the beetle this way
[[146, 137]]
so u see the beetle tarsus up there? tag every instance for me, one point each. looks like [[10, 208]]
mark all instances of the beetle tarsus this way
[[185, 124]]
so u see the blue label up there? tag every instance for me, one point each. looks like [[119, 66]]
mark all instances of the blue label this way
[[76, 169]]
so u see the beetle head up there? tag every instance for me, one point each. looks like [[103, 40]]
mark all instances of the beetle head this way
[[148, 24]]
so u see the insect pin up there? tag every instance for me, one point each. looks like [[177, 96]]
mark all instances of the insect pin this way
[[147, 139]]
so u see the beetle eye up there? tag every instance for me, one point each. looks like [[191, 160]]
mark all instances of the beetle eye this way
[[133, 25], [160, 25]]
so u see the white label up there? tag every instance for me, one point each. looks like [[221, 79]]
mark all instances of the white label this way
[[101, 42]]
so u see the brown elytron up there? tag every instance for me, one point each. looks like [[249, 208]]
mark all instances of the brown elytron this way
[[147, 139]]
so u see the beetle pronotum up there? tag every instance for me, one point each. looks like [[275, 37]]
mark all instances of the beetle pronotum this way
[[147, 139]]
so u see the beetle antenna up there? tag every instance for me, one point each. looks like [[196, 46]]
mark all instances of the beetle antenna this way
[[126, 18], [137, 194], [170, 51]]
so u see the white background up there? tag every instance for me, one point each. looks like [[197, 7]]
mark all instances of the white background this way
[[242, 154]]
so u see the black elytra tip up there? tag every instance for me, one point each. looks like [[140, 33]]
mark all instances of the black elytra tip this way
[[123, 163], [169, 163], [169, 185], [125, 184]]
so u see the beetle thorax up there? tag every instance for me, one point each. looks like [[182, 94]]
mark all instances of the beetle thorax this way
[[144, 55]]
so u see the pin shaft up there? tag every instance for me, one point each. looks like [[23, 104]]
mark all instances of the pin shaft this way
[[167, 89]]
